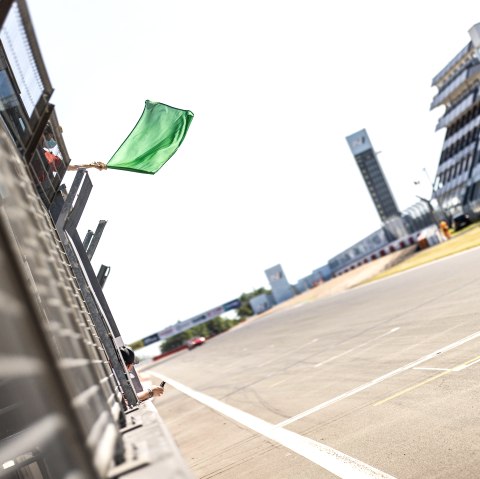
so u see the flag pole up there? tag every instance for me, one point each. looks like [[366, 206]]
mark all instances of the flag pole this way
[[96, 164]]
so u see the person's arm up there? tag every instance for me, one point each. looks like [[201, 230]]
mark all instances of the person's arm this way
[[149, 393]]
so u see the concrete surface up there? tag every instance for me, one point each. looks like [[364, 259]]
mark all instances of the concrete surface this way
[[388, 374]]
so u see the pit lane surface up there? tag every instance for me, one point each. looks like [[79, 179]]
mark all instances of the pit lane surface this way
[[386, 375]]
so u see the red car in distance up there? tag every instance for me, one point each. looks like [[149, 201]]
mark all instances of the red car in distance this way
[[194, 342]]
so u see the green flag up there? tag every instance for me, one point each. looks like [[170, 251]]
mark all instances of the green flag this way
[[154, 140]]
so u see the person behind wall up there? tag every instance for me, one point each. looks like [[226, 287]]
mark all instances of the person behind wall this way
[[46, 164], [130, 360], [50, 148]]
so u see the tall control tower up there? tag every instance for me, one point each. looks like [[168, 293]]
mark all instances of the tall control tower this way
[[372, 173]]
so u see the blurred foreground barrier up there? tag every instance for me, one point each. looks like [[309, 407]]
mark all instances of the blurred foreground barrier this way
[[68, 407], [63, 410]]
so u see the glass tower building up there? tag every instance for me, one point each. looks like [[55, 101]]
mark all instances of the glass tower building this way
[[372, 173]]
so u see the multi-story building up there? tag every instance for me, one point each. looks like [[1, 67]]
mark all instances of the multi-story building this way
[[457, 182], [377, 184]]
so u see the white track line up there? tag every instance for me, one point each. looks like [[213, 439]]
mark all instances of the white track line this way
[[465, 366], [356, 347], [389, 375], [334, 461], [433, 369]]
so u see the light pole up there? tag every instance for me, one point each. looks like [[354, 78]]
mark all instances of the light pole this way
[[434, 195], [430, 208]]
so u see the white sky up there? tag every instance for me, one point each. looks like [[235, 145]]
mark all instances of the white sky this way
[[265, 175]]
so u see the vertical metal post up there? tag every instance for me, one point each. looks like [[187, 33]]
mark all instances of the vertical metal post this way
[[96, 238], [103, 275], [434, 195], [431, 209], [97, 305], [87, 239], [103, 330]]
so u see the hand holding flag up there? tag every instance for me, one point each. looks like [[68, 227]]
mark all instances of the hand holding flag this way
[[96, 164]]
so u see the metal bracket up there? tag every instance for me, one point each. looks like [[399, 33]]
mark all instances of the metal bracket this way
[[132, 409], [132, 423], [136, 457]]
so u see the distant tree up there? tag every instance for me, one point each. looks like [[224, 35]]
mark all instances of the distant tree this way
[[208, 329], [175, 341], [245, 310], [219, 325], [200, 330], [216, 325]]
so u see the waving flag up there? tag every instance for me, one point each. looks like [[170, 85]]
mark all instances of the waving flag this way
[[154, 140]]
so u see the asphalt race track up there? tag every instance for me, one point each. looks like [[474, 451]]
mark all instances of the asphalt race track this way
[[376, 382]]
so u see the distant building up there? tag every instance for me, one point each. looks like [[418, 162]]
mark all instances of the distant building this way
[[364, 251], [262, 303], [303, 285], [374, 246], [281, 288], [322, 274], [457, 182]]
